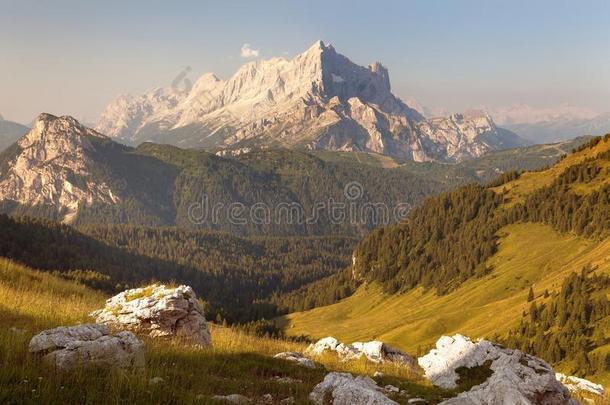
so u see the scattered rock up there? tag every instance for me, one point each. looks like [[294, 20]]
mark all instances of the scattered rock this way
[[345, 389], [516, 378], [233, 398], [296, 358], [287, 380], [375, 351], [158, 311], [391, 388], [69, 347], [579, 385], [267, 398], [417, 401], [378, 374], [155, 381], [17, 331]]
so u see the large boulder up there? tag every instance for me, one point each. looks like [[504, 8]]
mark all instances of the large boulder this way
[[375, 351], [515, 377], [345, 389], [69, 347], [158, 311]]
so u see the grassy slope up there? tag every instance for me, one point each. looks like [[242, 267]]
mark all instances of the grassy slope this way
[[31, 301], [529, 254], [532, 181]]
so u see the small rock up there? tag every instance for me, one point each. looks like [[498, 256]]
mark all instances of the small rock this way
[[267, 398], [391, 388], [378, 374], [155, 381], [296, 358], [345, 389], [17, 331], [69, 347], [287, 380], [287, 401], [417, 401], [233, 398]]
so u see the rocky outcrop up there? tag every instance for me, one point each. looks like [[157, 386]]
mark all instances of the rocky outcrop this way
[[515, 377], [317, 100], [345, 389], [158, 311], [580, 385], [297, 358], [69, 347], [375, 351]]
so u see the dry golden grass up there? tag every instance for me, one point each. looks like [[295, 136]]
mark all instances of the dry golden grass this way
[[31, 301]]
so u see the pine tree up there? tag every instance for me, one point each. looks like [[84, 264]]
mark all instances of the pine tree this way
[[530, 295]]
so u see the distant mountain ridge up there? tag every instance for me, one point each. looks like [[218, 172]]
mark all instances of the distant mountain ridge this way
[[561, 129], [319, 100], [65, 171]]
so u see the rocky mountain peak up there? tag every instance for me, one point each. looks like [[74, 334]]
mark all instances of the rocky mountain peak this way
[[319, 99], [52, 166]]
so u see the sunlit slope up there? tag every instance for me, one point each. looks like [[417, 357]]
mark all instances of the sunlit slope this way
[[529, 255], [529, 182]]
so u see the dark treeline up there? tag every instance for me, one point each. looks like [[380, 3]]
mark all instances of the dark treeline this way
[[236, 276], [569, 326]]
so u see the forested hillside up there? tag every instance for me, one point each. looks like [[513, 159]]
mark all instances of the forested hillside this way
[[236, 276], [491, 239], [265, 192]]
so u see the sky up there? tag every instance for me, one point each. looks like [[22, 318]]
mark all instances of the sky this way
[[74, 57]]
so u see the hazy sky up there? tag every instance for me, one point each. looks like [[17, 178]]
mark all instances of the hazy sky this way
[[73, 57]]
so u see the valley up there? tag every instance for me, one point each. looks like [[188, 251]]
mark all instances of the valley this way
[[210, 203]]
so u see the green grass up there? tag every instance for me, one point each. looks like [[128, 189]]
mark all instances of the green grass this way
[[529, 255], [32, 301]]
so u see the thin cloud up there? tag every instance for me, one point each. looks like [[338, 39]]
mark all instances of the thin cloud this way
[[248, 52]]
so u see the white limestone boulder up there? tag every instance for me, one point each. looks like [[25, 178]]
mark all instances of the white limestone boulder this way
[[297, 358], [580, 385], [158, 311], [375, 351], [70, 347], [516, 378], [345, 389]]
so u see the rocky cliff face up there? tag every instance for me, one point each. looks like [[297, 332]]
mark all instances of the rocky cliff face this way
[[317, 100], [52, 166]]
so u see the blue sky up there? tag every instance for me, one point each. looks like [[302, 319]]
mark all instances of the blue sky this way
[[73, 57]]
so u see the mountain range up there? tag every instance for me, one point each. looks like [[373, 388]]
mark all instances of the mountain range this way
[[65, 171], [553, 130], [319, 100]]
